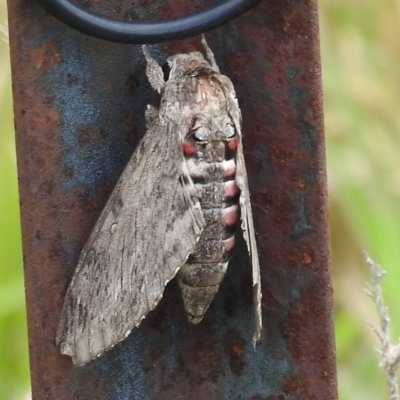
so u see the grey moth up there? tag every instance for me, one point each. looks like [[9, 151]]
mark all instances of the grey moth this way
[[172, 213]]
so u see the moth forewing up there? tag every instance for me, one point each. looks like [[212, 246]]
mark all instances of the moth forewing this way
[[134, 249], [250, 238], [171, 212]]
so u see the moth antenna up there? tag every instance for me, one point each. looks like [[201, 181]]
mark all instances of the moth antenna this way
[[209, 53], [154, 72]]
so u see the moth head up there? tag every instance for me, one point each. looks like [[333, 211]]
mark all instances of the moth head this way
[[188, 64]]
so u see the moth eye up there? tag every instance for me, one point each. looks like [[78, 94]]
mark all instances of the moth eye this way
[[198, 135], [230, 131], [166, 70]]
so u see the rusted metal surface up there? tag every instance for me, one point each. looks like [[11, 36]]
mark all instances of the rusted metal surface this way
[[79, 109]]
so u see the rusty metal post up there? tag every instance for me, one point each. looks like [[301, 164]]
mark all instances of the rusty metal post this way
[[79, 112]]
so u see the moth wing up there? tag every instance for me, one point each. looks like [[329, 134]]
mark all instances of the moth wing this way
[[145, 233], [250, 238], [245, 205]]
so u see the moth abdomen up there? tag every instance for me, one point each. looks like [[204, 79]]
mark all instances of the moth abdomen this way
[[203, 274], [212, 176], [197, 299], [199, 282]]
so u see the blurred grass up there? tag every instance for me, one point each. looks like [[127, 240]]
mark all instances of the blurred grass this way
[[14, 372], [360, 43]]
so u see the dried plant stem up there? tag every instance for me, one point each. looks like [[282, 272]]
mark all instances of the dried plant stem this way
[[390, 353]]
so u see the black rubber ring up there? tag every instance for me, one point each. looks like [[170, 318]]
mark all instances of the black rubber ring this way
[[140, 32]]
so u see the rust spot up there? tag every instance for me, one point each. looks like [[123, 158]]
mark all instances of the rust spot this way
[[88, 133], [290, 385], [276, 397], [72, 79], [39, 234], [234, 347], [207, 356], [301, 185], [130, 15], [238, 63], [268, 301], [297, 329], [68, 172], [306, 258], [85, 3], [46, 188], [46, 56], [132, 82]]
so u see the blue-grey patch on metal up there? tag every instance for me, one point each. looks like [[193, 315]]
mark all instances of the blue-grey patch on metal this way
[[100, 110], [300, 225], [298, 97], [307, 139], [297, 94], [249, 382], [293, 282], [92, 99], [126, 366], [260, 153], [129, 361]]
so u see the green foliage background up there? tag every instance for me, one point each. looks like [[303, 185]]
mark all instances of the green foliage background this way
[[360, 46]]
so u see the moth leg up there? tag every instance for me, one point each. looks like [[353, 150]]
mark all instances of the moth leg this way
[[154, 72], [209, 54]]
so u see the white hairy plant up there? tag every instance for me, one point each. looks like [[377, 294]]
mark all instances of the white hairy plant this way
[[390, 353]]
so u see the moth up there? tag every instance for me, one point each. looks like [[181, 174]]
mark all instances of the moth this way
[[173, 212]]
